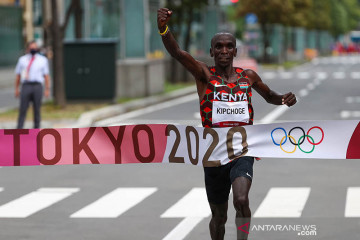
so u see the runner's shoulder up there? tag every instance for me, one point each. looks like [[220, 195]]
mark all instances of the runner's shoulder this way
[[252, 75]]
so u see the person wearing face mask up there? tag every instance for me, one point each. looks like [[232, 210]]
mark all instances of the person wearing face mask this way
[[32, 74]]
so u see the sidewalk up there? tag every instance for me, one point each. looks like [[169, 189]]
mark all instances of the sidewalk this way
[[8, 101]]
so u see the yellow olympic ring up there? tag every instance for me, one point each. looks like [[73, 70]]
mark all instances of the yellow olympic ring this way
[[281, 142]]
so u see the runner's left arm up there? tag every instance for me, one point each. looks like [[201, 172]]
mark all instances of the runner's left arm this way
[[269, 95]]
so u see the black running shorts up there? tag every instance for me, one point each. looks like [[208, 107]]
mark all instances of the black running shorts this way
[[218, 180]]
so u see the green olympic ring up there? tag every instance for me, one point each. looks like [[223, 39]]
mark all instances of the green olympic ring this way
[[311, 144]]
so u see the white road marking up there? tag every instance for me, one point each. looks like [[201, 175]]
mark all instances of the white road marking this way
[[317, 81], [303, 92], [315, 61], [352, 207], [321, 75], [325, 61], [310, 86], [350, 114], [303, 75], [280, 110], [183, 228], [286, 75], [339, 75], [269, 75], [353, 99], [283, 203], [194, 207], [117, 120], [274, 114], [34, 202], [355, 75], [115, 203]]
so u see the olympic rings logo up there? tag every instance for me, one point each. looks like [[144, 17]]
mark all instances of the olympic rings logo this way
[[300, 141]]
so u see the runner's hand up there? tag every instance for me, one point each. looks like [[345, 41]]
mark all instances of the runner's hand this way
[[289, 99], [164, 15]]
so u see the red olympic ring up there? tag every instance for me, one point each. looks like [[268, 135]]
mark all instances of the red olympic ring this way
[[322, 138]]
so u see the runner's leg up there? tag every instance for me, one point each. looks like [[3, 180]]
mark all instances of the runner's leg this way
[[218, 220], [241, 187]]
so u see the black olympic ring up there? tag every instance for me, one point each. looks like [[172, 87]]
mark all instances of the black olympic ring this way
[[303, 138]]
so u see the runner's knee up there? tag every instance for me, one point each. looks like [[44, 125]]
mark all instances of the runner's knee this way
[[241, 202], [219, 216], [219, 219]]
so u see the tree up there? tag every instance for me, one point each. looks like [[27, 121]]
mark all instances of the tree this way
[[183, 17], [285, 12], [57, 34], [352, 8], [320, 15], [339, 18]]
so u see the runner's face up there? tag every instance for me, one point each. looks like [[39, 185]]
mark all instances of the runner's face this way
[[223, 50]]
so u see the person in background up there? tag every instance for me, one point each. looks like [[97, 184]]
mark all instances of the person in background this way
[[32, 73]]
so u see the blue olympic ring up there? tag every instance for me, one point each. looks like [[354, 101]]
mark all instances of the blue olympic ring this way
[[272, 137]]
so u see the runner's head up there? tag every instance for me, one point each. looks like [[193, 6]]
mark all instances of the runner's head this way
[[223, 49]]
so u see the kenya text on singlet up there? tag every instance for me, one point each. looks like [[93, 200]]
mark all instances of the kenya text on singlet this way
[[227, 104]]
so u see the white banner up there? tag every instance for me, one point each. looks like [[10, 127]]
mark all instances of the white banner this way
[[161, 143]]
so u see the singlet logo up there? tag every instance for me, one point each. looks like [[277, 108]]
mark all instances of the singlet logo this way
[[227, 97]]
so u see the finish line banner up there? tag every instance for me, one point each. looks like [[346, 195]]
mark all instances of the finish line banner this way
[[162, 143]]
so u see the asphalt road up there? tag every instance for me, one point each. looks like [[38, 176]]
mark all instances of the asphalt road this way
[[88, 202]]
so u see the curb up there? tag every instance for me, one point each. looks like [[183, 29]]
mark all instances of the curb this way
[[88, 118]]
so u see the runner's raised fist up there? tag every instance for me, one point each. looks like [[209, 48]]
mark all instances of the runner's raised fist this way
[[163, 16], [289, 99]]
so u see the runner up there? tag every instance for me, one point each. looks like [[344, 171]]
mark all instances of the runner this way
[[225, 101]]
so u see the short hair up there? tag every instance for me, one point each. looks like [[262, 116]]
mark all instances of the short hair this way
[[220, 34], [29, 43]]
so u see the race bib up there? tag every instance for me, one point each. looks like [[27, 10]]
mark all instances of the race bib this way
[[230, 112]]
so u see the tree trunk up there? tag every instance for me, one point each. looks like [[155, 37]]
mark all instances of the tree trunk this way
[[266, 42], [174, 66], [58, 59], [78, 12], [187, 40]]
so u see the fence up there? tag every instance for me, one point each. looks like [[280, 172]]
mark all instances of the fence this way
[[11, 39], [288, 43]]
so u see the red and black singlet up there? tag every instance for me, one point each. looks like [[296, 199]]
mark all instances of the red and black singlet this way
[[227, 104]]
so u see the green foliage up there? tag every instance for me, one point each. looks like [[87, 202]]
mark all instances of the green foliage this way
[[231, 14], [320, 15], [352, 8], [285, 12], [182, 9], [336, 16], [300, 13], [339, 18]]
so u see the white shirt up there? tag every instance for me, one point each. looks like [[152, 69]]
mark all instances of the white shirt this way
[[38, 69]]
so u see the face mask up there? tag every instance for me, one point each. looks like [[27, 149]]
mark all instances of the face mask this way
[[33, 51]]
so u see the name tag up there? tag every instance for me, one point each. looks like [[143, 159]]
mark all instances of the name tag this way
[[230, 112], [24, 75]]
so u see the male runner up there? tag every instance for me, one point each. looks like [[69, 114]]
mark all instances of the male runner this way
[[225, 101]]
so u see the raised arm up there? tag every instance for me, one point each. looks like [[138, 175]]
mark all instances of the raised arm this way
[[269, 95], [196, 68]]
